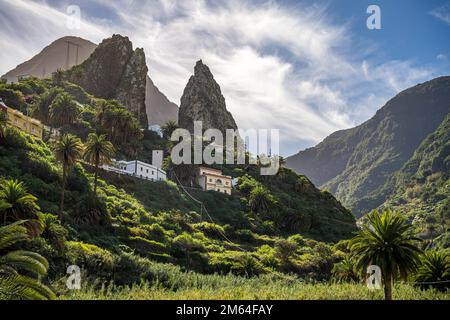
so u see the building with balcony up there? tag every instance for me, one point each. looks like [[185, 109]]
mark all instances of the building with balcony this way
[[22, 122], [213, 179]]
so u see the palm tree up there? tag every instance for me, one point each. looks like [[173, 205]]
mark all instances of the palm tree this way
[[345, 270], [3, 124], [68, 150], [434, 269], [168, 129], [41, 107], [99, 151], [120, 124], [260, 200], [13, 284], [17, 204], [58, 77], [63, 110], [388, 241]]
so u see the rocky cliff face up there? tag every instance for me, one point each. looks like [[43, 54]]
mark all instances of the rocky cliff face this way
[[115, 71], [202, 100]]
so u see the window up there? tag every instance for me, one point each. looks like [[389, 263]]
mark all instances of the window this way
[[147, 170], [142, 169]]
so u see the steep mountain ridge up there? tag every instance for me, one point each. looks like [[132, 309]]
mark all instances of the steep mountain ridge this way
[[355, 164], [160, 109], [202, 100]]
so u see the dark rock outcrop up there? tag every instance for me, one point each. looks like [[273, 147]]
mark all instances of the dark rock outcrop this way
[[202, 100], [115, 71]]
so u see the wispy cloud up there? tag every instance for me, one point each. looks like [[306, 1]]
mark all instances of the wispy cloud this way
[[442, 13], [278, 66]]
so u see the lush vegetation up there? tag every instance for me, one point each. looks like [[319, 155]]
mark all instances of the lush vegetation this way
[[271, 232], [357, 164], [265, 288], [422, 188]]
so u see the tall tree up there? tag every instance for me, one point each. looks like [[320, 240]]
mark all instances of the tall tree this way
[[388, 241], [41, 109], [68, 150], [13, 284], [99, 151], [260, 200], [63, 110], [121, 125], [168, 129]]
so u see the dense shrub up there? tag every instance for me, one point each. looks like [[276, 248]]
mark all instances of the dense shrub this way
[[98, 262]]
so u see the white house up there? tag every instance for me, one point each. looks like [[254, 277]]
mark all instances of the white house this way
[[137, 169]]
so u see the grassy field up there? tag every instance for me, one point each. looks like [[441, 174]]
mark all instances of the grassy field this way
[[254, 289]]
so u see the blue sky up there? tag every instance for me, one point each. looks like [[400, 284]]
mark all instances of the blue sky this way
[[308, 68]]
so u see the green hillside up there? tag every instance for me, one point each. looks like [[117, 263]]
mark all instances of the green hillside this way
[[355, 164], [130, 225], [422, 187]]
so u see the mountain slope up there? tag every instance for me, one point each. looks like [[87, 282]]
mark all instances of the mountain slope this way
[[53, 57], [355, 164], [160, 110], [421, 188]]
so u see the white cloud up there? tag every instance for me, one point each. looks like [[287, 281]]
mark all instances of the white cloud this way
[[278, 67], [441, 57], [442, 13]]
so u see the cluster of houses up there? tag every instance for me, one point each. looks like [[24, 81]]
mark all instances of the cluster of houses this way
[[209, 179]]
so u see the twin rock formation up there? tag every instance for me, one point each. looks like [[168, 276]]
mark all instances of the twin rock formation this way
[[114, 70]]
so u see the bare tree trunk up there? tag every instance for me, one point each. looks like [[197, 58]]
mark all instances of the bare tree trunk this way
[[61, 207], [388, 285], [96, 174]]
